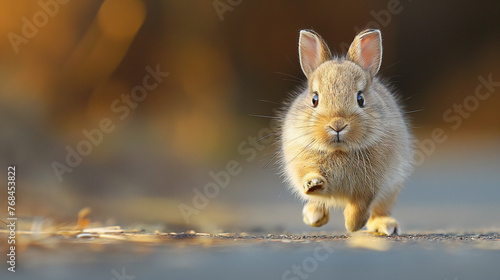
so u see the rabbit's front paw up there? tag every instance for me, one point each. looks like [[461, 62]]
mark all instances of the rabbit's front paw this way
[[383, 224], [313, 182], [315, 215]]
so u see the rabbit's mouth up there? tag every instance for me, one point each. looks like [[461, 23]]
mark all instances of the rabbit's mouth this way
[[337, 129], [338, 139], [338, 144]]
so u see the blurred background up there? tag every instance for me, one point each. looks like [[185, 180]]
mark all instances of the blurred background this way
[[65, 66]]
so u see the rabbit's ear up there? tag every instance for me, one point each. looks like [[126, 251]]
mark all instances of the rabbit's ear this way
[[312, 51], [366, 50]]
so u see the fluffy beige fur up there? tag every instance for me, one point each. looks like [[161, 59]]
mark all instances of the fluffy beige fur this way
[[362, 166]]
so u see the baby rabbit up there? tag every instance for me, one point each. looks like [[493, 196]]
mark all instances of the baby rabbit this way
[[344, 138]]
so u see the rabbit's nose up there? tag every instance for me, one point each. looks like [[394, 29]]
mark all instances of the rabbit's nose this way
[[337, 125]]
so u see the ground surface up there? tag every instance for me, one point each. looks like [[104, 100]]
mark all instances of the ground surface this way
[[448, 212], [118, 254]]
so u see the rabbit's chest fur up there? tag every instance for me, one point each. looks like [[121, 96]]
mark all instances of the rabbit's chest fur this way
[[353, 173]]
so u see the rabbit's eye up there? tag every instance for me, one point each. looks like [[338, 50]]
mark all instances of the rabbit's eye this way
[[315, 100], [361, 99]]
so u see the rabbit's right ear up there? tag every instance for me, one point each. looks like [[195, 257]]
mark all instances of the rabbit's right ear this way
[[313, 51], [366, 50]]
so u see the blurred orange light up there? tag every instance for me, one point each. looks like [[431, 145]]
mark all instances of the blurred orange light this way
[[121, 18]]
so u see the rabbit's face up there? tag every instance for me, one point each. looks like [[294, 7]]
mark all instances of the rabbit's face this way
[[343, 113], [339, 111]]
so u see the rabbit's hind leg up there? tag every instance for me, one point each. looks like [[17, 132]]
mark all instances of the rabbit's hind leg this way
[[315, 214], [380, 220]]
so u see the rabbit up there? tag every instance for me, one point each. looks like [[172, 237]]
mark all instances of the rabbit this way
[[344, 138]]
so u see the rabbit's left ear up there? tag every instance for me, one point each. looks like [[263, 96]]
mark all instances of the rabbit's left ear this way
[[313, 51], [366, 50]]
